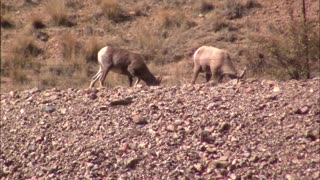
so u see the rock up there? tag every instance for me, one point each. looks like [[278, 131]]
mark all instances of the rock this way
[[125, 101], [170, 128], [131, 163], [92, 96], [221, 164], [303, 110], [139, 119], [206, 137], [49, 109], [225, 127], [34, 90], [276, 89], [313, 134], [198, 167]]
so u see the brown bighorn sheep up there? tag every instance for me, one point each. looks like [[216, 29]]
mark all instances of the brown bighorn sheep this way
[[123, 62], [214, 62]]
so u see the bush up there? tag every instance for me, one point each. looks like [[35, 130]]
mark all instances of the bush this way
[[20, 61], [204, 6], [286, 53], [58, 11], [234, 9], [112, 10], [174, 19]]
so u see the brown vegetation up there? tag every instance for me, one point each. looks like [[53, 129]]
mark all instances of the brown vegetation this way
[[258, 34]]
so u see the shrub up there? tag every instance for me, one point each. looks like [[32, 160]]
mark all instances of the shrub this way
[[217, 22], [112, 10], [20, 61], [59, 12], [204, 6], [286, 53], [234, 9], [174, 19]]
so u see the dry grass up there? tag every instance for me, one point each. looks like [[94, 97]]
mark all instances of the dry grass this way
[[204, 6], [234, 9], [58, 11], [217, 22], [112, 10], [20, 63], [284, 56], [7, 17], [36, 21], [170, 18]]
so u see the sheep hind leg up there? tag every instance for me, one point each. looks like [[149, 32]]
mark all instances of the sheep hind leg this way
[[95, 78], [103, 76]]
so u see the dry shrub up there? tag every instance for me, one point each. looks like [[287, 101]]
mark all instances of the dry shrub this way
[[113, 11], [149, 41], [204, 6], [174, 19], [58, 11], [36, 21], [6, 17], [286, 53], [234, 9], [91, 49], [20, 62], [217, 22]]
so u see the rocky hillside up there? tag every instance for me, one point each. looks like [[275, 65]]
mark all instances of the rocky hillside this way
[[248, 130]]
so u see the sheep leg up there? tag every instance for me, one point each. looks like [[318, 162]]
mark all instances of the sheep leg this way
[[130, 78], [95, 78], [196, 71], [104, 75], [137, 82], [208, 76]]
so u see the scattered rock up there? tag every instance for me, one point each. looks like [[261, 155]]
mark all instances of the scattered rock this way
[[125, 101], [49, 109], [138, 119], [303, 110]]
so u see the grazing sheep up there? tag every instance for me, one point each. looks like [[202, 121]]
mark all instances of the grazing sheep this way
[[123, 62], [215, 63]]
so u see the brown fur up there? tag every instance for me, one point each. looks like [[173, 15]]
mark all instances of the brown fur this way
[[216, 63], [123, 62]]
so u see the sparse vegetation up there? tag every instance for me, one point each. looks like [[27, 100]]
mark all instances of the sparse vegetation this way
[[204, 6], [286, 53], [174, 19], [234, 9], [113, 11], [20, 62], [58, 11]]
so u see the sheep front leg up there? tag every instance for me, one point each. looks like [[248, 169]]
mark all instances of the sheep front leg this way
[[196, 71], [95, 78]]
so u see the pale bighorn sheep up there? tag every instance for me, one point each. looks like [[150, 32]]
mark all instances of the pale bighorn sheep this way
[[215, 63], [123, 62]]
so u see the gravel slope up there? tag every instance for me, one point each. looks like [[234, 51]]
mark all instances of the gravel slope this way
[[253, 129]]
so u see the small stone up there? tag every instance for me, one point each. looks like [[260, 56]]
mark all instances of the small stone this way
[[34, 90], [103, 108], [92, 96], [225, 127], [211, 150], [49, 109], [233, 176], [290, 177], [303, 110], [276, 89], [205, 137], [198, 167], [221, 164], [170, 128], [139, 119]]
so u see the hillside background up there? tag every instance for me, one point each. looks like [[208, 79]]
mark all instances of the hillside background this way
[[54, 43]]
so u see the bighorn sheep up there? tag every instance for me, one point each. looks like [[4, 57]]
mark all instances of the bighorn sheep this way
[[214, 62], [123, 62]]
